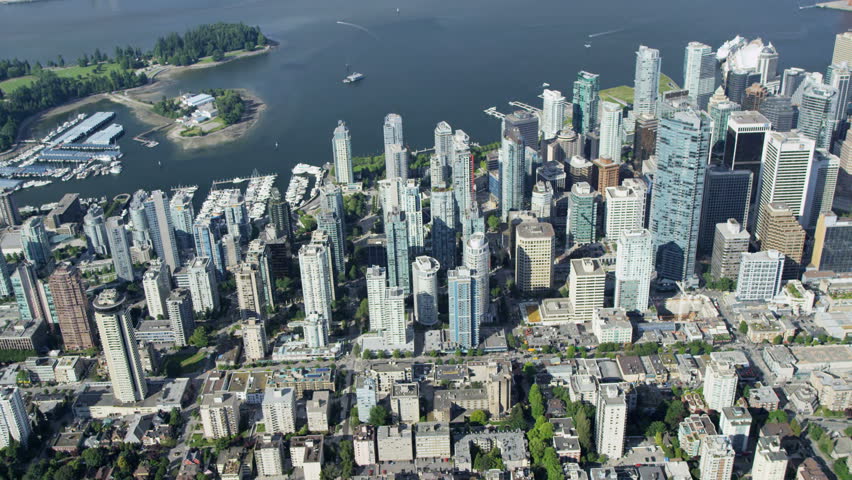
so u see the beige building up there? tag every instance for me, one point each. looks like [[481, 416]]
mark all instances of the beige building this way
[[279, 410], [254, 339], [395, 443], [364, 445], [405, 402], [317, 409], [432, 440], [220, 415], [717, 458], [729, 243], [770, 460], [534, 257], [269, 456], [781, 231], [586, 289], [834, 393], [306, 453]]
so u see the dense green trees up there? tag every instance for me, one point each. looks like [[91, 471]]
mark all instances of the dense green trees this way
[[379, 416], [231, 106], [50, 90], [171, 108], [206, 40], [14, 68]]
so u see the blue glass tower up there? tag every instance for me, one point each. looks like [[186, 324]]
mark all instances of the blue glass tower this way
[[683, 148]]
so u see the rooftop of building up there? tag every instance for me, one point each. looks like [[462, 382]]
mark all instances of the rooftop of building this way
[[534, 231]]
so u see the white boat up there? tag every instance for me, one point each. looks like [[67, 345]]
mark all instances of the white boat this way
[[353, 77]]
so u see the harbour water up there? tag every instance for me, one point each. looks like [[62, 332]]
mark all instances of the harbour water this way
[[434, 60]]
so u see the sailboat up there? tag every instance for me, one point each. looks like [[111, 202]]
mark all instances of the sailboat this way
[[276, 145]]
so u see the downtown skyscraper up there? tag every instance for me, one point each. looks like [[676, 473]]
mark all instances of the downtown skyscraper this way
[[699, 73], [443, 226], [317, 284], [633, 268], [464, 329], [612, 132], [396, 155], [646, 81], [787, 165], [160, 229], [399, 263], [511, 172], [586, 102], [119, 248], [72, 308], [683, 149], [341, 145], [439, 168], [118, 340], [477, 257], [553, 114]]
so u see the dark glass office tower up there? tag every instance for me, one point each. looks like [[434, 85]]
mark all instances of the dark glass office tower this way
[[726, 195], [744, 144]]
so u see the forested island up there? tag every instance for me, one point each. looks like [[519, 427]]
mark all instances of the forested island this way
[[28, 88]]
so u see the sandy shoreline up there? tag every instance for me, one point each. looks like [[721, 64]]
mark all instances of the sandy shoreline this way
[[140, 100]]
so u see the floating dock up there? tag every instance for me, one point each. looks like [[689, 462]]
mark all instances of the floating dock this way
[[84, 128]]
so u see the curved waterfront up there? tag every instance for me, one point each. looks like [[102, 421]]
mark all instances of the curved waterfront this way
[[436, 60]]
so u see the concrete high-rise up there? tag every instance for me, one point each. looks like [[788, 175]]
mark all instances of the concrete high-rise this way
[[179, 310], [842, 48], [157, 286], [439, 168], [683, 150], [443, 226], [94, 226], [220, 415], [581, 227], [183, 216], [424, 286], [779, 111], [726, 196], [610, 421], [72, 308], [790, 81], [625, 210], [9, 214], [203, 288], [760, 275], [586, 288], [14, 421], [781, 231], [160, 229], [586, 102], [341, 145], [512, 172], [716, 458], [411, 204], [770, 459], [462, 171], [832, 243], [119, 249], [720, 385], [541, 202], [317, 283], [464, 328], [249, 291], [279, 410], [118, 341], [787, 164], [377, 288], [553, 114], [5, 281], [34, 242], [699, 73], [315, 328], [332, 224], [634, 266], [646, 83], [396, 319], [612, 131], [396, 161], [730, 241], [254, 339], [477, 257], [399, 262], [534, 257]]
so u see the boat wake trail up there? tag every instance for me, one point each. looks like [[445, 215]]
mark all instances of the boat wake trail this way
[[359, 27], [600, 34]]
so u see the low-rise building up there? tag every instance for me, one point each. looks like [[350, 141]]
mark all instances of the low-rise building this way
[[835, 393], [803, 398], [566, 440], [810, 470], [70, 369], [448, 404], [405, 402], [395, 443], [512, 446], [612, 325], [764, 327], [364, 445], [432, 440], [765, 398]]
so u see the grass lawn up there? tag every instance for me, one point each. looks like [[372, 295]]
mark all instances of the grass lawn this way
[[624, 93], [13, 84], [186, 361], [231, 54], [192, 132]]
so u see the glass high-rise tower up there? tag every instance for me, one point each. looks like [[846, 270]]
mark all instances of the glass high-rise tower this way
[[341, 145], [683, 149], [646, 81], [699, 73], [586, 101]]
